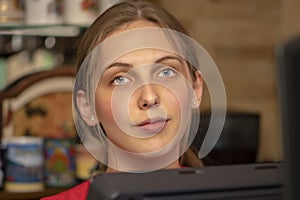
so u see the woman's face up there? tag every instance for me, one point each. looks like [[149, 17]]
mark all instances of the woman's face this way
[[141, 95]]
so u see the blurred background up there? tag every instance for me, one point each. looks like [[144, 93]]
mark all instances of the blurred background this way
[[242, 37]]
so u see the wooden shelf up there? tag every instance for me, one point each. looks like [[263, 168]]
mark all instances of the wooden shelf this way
[[30, 195], [50, 30]]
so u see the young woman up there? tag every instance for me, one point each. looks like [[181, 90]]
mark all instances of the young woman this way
[[137, 92]]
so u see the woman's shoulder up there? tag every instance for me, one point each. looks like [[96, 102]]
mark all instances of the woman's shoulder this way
[[78, 192]]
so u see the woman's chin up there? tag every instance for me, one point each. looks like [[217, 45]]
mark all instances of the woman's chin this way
[[158, 150]]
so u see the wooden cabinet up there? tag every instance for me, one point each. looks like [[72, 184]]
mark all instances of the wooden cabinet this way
[[30, 195]]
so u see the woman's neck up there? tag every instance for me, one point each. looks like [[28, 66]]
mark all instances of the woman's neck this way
[[174, 165], [119, 160]]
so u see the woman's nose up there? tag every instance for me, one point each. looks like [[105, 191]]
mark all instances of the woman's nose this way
[[148, 97]]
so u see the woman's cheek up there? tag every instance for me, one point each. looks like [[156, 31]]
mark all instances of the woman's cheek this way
[[103, 109]]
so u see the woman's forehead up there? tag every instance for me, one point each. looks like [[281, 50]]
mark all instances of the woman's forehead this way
[[147, 55], [136, 46], [132, 25]]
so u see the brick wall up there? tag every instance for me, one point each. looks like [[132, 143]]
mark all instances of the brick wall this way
[[241, 36]]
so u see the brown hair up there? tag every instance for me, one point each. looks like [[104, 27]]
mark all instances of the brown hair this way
[[124, 12]]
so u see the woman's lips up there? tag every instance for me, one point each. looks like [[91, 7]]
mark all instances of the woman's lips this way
[[152, 125]]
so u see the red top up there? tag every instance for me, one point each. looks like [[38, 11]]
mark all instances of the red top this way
[[78, 192]]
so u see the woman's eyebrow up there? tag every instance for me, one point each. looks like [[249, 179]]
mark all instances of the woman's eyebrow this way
[[119, 64], [168, 58]]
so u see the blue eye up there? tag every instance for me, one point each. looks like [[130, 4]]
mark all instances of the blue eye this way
[[120, 80], [166, 73]]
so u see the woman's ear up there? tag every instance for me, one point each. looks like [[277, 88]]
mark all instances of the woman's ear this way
[[84, 108], [198, 89]]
